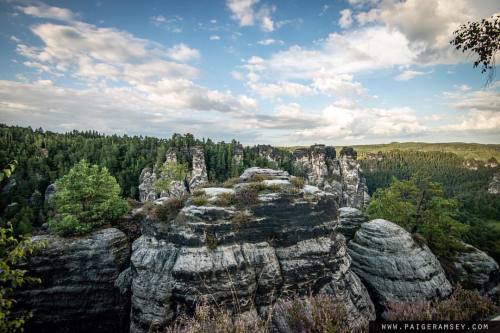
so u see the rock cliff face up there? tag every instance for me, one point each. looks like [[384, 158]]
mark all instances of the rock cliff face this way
[[474, 269], [350, 220], [266, 151], [237, 154], [78, 292], [393, 266], [494, 186], [243, 257], [341, 177], [197, 176]]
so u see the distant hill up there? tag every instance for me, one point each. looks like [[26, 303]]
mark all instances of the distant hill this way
[[466, 150]]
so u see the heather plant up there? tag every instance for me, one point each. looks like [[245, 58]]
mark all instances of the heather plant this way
[[248, 195], [240, 218], [315, 314], [461, 305], [209, 318]]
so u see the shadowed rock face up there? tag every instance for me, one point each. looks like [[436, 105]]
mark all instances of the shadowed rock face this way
[[393, 266], [474, 269], [286, 244], [78, 292], [341, 177], [350, 220]]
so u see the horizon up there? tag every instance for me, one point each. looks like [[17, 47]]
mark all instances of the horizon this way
[[353, 72]]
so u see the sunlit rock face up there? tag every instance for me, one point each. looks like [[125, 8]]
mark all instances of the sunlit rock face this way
[[393, 266], [341, 177], [244, 257], [78, 292], [237, 154], [494, 186], [196, 177], [474, 269]]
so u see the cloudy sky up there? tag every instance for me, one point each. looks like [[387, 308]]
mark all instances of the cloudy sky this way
[[262, 71]]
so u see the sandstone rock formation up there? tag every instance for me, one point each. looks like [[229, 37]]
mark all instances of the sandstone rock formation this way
[[341, 177], [494, 186], [197, 176], [266, 151], [393, 266], [244, 257], [350, 220], [474, 269], [78, 292], [237, 154]]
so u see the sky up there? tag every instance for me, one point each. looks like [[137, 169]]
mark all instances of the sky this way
[[289, 72]]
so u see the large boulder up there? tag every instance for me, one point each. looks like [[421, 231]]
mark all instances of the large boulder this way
[[474, 269], [244, 257], [393, 266], [78, 292]]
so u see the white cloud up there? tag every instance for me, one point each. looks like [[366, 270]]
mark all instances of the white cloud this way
[[281, 88], [42, 10], [350, 122], [345, 20], [214, 37], [347, 52], [336, 84], [270, 41], [244, 12], [182, 52], [428, 25], [476, 121], [408, 75]]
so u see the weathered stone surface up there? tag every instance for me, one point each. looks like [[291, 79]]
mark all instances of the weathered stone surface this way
[[494, 186], [286, 245], [78, 292], [50, 192], [198, 173], [474, 269], [196, 177], [266, 151], [146, 188], [269, 173], [350, 220], [393, 266], [341, 177], [237, 154]]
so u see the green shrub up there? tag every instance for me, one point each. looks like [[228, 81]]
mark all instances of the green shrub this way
[[298, 182], [224, 199], [240, 218], [259, 186], [274, 188], [231, 182], [168, 210], [461, 305], [69, 225], [199, 200], [198, 192], [248, 195], [258, 178], [87, 197], [169, 173], [211, 241]]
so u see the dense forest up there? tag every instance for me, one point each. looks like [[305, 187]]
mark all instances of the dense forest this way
[[44, 156], [477, 208]]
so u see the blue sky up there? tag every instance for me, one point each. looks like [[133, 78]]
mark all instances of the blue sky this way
[[280, 72]]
